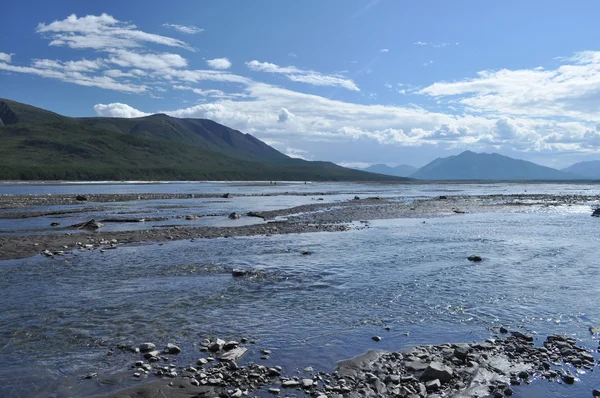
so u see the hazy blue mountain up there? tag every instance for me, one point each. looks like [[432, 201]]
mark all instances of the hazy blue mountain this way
[[488, 166], [404, 170], [589, 169]]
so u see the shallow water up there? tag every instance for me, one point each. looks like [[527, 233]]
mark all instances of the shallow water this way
[[540, 274]]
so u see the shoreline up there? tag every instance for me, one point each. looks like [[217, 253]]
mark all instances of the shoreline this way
[[495, 367], [314, 217]]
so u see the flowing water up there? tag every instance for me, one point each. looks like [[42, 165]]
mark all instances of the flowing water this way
[[540, 274]]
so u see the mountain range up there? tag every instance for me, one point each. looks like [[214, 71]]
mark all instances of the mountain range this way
[[37, 144], [473, 166]]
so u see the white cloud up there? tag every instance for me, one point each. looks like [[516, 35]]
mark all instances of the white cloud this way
[[384, 50], [101, 32], [293, 55], [434, 45], [296, 153], [83, 65], [105, 82], [219, 63], [355, 165], [188, 30], [132, 59], [303, 76], [430, 62], [571, 90], [4, 57], [284, 115], [117, 109]]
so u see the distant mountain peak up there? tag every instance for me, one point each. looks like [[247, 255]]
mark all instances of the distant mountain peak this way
[[469, 165]]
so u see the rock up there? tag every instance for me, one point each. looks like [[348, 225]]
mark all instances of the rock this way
[[594, 329], [461, 352], [522, 336], [92, 224], [237, 393], [145, 347], [307, 383], [239, 272], [290, 384], [274, 390], [227, 196], [306, 253], [192, 217], [433, 385], [503, 330], [596, 213], [508, 391], [442, 197], [376, 338], [568, 378], [596, 393], [172, 349], [437, 370], [475, 258], [81, 198], [230, 345], [151, 354], [233, 354], [217, 345], [356, 198], [54, 224], [235, 216]]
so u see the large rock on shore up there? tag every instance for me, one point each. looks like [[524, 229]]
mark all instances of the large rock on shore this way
[[437, 371]]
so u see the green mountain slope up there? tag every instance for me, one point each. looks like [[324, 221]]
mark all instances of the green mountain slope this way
[[40, 145], [488, 166]]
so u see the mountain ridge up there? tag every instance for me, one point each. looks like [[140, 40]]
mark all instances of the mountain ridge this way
[[470, 165], [42, 145]]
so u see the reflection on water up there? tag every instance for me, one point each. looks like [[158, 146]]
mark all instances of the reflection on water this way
[[540, 274]]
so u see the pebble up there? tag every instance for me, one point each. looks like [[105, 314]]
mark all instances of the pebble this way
[[376, 338]]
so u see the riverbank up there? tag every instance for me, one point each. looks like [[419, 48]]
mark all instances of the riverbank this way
[[494, 368]]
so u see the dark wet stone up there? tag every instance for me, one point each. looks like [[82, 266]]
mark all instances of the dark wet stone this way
[[145, 347], [437, 370], [376, 338], [81, 198], [227, 196], [503, 330], [596, 213], [172, 349], [239, 272], [522, 336], [568, 378], [475, 258]]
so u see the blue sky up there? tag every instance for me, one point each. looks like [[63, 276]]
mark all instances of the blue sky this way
[[354, 82]]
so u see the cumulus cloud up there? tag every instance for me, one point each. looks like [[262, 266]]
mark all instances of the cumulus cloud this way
[[303, 76], [284, 115], [117, 109], [101, 33], [4, 57], [185, 29], [568, 90], [219, 63]]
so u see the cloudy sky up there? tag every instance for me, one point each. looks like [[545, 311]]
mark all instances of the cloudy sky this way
[[354, 82]]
